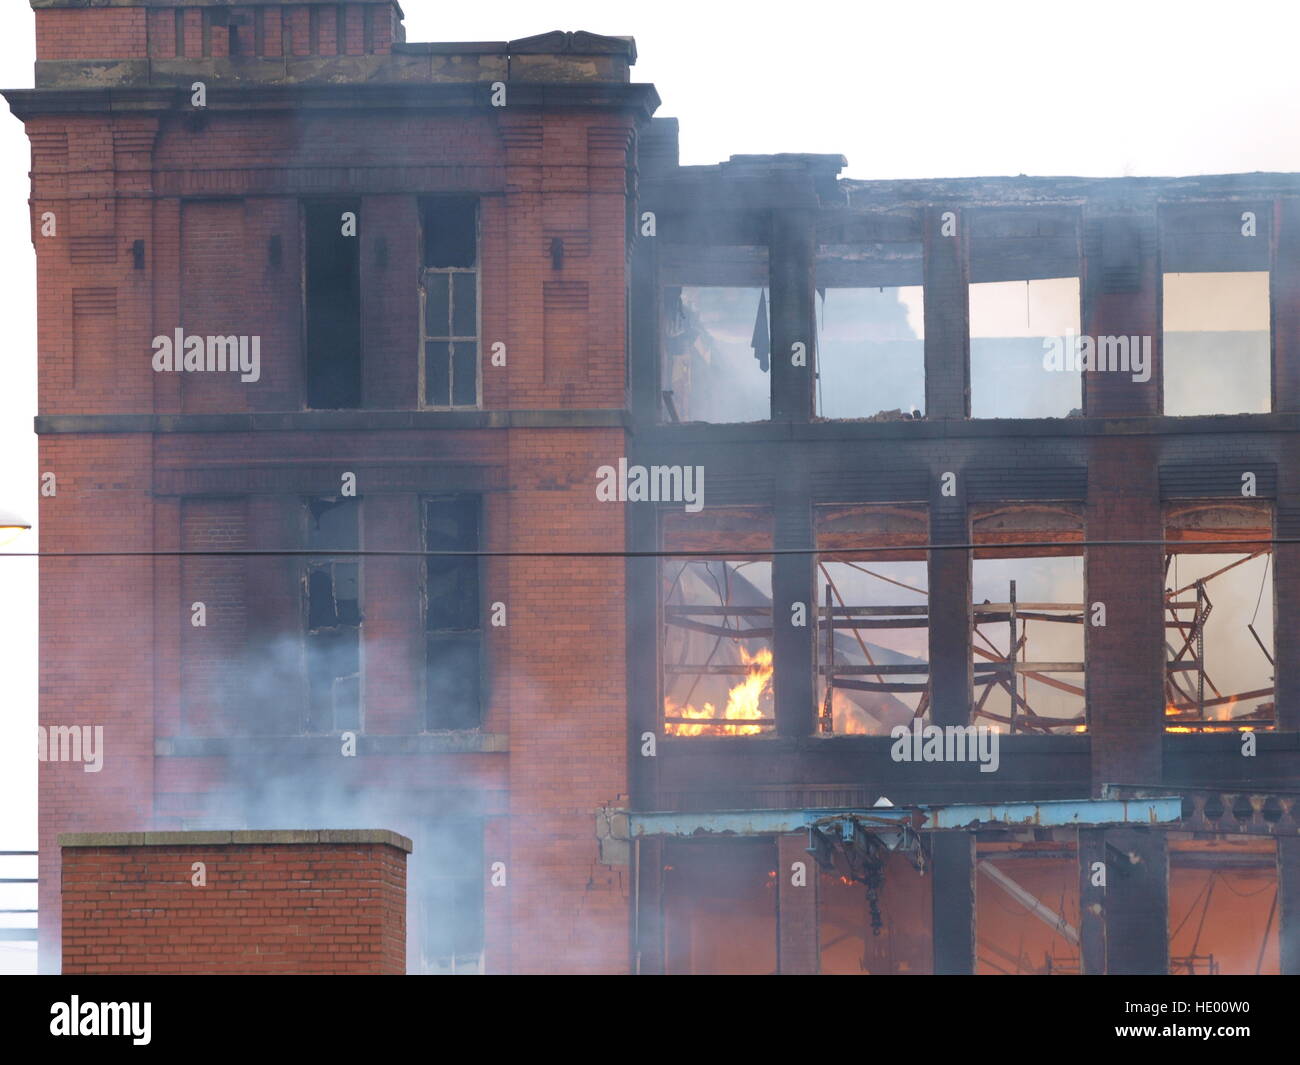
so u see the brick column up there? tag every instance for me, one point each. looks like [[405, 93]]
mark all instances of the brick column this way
[[952, 860], [1286, 308], [1288, 894], [950, 599], [1137, 902], [947, 319], [1126, 656], [792, 582], [798, 948], [1092, 903], [1121, 291], [791, 262]]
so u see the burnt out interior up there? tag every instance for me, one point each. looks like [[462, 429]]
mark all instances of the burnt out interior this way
[[872, 619], [332, 603], [717, 627], [1028, 617], [1036, 576], [1219, 617], [1216, 308], [870, 317], [332, 303], [1027, 908], [453, 620], [719, 908]]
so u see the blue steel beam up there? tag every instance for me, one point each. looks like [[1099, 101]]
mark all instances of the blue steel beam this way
[[1055, 813]]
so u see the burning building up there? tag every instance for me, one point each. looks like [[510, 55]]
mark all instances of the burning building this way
[[1007, 459]]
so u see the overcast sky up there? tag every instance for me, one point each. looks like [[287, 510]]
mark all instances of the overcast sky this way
[[902, 90]]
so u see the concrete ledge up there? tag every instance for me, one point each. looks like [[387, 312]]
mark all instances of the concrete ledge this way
[[278, 837], [328, 746], [325, 420]]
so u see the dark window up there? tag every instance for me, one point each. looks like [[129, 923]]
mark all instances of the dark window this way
[[449, 302], [332, 590], [452, 614], [333, 311]]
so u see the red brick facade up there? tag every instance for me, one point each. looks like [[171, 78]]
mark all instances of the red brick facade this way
[[172, 217]]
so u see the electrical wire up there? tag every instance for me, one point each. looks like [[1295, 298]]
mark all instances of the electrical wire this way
[[722, 553]]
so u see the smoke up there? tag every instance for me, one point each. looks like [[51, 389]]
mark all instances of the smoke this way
[[278, 778]]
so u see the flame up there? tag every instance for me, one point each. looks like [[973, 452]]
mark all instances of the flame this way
[[846, 718], [742, 703]]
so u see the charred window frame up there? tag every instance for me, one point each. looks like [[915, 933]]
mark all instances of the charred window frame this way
[[331, 590], [331, 305], [715, 323], [1216, 308], [447, 889], [870, 317], [873, 617], [1028, 645], [453, 613], [1219, 605], [1036, 253], [449, 302], [717, 645]]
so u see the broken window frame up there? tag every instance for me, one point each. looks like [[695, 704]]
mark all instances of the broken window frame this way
[[1184, 619], [429, 276], [1022, 244], [471, 635], [881, 264], [991, 668], [700, 266], [834, 613], [316, 636], [998, 889], [734, 528], [1165, 334], [1222, 860]]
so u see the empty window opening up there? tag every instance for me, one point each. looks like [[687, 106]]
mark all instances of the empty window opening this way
[[875, 921], [447, 895], [1013, 326], [872, 619], [449, 298], [1223, 907], [717, 627], [719, 905], [332, 599], [1026, 909], [1027, 619], [333, 307], [1218, 618], [453, 614], [717, 354], [1217, 347], [870, 331]]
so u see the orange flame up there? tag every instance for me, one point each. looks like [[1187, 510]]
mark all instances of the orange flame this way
[[742, 704]]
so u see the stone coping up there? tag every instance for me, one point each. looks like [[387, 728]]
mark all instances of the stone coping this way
[[218, 838]]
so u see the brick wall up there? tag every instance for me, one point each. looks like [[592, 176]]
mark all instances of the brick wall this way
[[272, 903], [200, 29], [216, 205]]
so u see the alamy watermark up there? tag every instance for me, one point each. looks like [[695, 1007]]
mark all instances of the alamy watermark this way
[[951, 743], [1102, 354], [72, 743], [102, 1018], [199, 354], [651, 484]]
